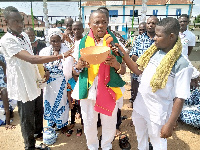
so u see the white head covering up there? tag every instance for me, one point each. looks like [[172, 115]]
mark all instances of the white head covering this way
[[54, 31]]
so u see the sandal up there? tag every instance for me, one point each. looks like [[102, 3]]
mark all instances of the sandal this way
[[42, 147], [69, 132], [79, 132], [123, 142]]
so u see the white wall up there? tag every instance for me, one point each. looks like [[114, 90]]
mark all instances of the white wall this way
[[118, 21]]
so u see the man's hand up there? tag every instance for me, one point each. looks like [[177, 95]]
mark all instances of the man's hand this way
[[112, 61], [68, 53], [82, 64], [167, 130]]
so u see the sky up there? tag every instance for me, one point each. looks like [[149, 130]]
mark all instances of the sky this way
[[63, 8]]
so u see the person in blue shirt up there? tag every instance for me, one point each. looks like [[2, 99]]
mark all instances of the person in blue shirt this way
[[141, 44]]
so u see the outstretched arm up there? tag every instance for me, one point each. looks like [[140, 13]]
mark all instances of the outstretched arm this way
[[129, 62], [35, 59], [167, 129]]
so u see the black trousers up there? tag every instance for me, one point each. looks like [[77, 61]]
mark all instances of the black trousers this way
[[77, 108], [31, 120]]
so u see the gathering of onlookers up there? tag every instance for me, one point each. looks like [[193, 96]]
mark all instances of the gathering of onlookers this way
[[66, 87]]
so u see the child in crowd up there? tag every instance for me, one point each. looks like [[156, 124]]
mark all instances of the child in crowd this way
[[165, 75], [76, 106]]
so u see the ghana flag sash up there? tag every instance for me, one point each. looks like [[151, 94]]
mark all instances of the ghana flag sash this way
[[109, 82]]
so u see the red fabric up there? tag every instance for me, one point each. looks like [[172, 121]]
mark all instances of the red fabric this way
[[105, 102]]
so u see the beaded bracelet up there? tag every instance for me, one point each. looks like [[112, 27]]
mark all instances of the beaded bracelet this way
[[77, 71]]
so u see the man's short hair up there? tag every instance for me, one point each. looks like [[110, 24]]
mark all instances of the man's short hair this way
[[8, 10], [142, 23], [105, 10], [100, 8], [171, 25], [77, 23], [184, 15], [96, 11]]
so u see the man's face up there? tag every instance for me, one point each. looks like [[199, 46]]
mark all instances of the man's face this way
[[68, 24], [15, 22], [183, 21], [31, 35], [98, 23], [161, 38], [55, 41], [151, 24], [142, 29], [77, 30]]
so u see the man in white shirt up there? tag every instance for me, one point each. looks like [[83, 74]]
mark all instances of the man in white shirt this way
[[22, 73], [187, 37], [90, 96], [165, 75]]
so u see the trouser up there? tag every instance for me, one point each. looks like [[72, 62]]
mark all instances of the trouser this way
[[90, 117], [134, 88], [75, 109], [31, 120], [147, 129], [39, 111], [119, 119]]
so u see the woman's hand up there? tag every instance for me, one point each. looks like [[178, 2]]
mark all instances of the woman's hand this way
[[71, 106]]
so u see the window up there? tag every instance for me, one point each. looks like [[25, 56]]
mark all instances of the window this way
[[178, 12], [155, 12], [135, 13], [113, 13]]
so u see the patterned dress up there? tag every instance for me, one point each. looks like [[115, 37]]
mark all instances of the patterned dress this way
[[12, 103], [191, 110], [56, 105]]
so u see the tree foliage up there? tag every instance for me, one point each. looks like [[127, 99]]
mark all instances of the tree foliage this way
[[60, 22], [197, 19]]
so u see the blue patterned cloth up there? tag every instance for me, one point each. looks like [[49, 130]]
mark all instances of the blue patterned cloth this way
[[191, 110], [141, 44], [12, 103], [56, 105]]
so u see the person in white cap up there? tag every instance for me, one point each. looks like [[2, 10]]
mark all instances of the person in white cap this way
[[56, 105]]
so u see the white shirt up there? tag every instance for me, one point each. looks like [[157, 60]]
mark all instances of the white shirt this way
[[21, 75], [157, 106], [187, 39]]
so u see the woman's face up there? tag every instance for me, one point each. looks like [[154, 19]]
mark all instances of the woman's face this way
[[56, 41]]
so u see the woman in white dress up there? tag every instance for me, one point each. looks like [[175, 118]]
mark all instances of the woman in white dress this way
[[56, 104]]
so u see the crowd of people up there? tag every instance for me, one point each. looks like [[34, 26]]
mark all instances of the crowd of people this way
[[163, 80]]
